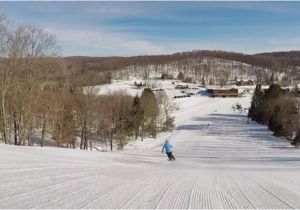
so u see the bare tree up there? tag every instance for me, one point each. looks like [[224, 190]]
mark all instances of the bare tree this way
[[168, 107]]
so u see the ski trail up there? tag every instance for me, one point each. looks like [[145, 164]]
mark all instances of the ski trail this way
[[43, 194], [108, 199], [85, 185], [103, 193], [25, 183], [178, 195], [280, 203], [141, 197], [246, 202], [73, 179], [155, 202], [230, 164], [191, 196]]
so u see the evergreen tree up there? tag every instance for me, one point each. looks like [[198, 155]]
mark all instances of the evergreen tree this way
[[273, 92], [272, 79], [275, 123], [180, 76], [256, 103], [276, 108], [267, 107], [163, 76], [296, 140], [151, 111], [136, 116]]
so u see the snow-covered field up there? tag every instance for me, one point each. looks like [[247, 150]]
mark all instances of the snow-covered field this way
[[222, 162]]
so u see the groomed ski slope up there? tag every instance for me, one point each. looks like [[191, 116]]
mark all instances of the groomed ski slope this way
[[226, 164]]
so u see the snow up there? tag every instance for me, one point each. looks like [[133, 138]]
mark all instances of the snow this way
[[221, 162], [127, 86]]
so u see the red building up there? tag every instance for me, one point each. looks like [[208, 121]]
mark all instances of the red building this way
[[233, 92]]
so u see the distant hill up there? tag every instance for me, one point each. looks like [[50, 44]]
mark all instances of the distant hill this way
[[284, 54], [98, 70], [273, 60]]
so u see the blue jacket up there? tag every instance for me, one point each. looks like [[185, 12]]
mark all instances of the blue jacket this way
[[168, 147]]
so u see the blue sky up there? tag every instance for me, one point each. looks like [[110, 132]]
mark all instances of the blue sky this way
[[139, 28]]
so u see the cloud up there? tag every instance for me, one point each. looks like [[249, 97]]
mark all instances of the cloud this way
[[139, 28], [94, 42], [77, 41]]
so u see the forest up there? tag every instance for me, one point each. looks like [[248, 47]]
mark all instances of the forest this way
[[279, 109], [42, 98]]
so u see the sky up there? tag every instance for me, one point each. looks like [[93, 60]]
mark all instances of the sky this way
[[146, 28]]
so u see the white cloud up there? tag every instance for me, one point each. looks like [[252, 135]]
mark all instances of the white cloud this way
[[102, 43], [95, 42]]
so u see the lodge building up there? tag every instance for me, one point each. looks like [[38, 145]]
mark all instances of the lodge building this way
[[233, 92]]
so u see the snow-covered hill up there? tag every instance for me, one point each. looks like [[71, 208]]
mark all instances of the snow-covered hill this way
[[222, 161]]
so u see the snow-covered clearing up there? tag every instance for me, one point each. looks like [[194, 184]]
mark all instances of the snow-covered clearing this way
[[222, 162]]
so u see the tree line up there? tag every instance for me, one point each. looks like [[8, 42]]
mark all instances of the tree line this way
[[220, 63], [279, 109], [41, 98], [265, 60]]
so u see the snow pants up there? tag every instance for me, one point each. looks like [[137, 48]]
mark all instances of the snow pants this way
[[170, 156]]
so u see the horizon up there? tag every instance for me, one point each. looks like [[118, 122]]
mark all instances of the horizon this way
[[104, 29], [127, 56]]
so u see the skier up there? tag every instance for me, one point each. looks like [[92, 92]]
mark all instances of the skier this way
[[168, 147]]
